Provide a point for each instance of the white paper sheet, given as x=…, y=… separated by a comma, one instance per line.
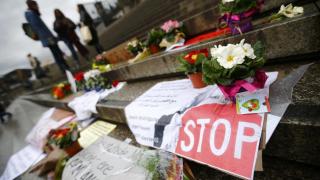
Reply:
x=21, y=162
x=85, y=105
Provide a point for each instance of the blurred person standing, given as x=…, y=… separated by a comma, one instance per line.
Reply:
x=36, y=66
x=47, y=39
x=86, y=20
x=65, y=29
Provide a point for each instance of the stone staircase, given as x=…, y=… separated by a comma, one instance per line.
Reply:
x=293, y=150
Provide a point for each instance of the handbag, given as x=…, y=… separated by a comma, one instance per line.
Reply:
x=85, y=33
x=29, y=31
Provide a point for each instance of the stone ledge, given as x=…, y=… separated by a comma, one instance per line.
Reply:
x=276, y=38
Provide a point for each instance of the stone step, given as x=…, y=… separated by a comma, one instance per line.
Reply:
x=282, y=40
x=192, y=13
x=295, y=139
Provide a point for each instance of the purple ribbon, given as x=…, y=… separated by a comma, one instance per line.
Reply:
x=258, y=83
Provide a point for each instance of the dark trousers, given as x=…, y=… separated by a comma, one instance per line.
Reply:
x=58, y=57
x=3, y=114
x=82, y=49
x=73, y=51
x=98, y=47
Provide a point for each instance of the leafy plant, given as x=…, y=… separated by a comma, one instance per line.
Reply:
x=192, y=62
x=214, y=72
x=236, y=6
x=135, y=47
x=154, y=37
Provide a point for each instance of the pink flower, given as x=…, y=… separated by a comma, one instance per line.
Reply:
x=169, y=25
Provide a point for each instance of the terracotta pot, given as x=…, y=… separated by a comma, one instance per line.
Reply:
x=154, y=48
x=73, y=149
x=196, y=79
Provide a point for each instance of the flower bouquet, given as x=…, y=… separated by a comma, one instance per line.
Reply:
x=94, y=81
x=135, y=47
x=101, y=63
x=191, y=64
x=61, y=90
x=66, y=138
x=237, y=14
x=173, y=33
x=288, y=11
x=235, y=68
x=154, y=38
x=80, y=81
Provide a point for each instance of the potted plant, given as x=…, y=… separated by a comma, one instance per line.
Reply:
x=66, y=138
x=191, y=64
x=135, y=47
x=154, y=38
x=101, y=63
x=61, y=90
x=237, y=14
x=174, y=33
x=235, y=68
x=94, y=81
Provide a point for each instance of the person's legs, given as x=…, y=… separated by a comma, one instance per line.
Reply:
x=73, y=52
x=98, y=47
x=82, y=50
x=58, y=57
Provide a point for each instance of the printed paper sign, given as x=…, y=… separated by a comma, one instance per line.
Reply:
x=216, y=135
x=199, y=124
x=256, y=102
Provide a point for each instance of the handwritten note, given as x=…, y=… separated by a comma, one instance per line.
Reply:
x=107, y=158
x=94, y=132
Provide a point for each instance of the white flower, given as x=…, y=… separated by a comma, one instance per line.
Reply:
x=226, y=1
x=91, y=74
x=228, y=56
x=133, y=43
x=248, y=50
x=290, y=11
x=298, y=10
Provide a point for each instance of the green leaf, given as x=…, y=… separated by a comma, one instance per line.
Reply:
x=258, y=49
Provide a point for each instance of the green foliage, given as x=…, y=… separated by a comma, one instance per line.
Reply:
x=238, y=6
x=171, y=35
x=135, y=49
x=97, y=82
x=213, y=72
x=154, y=37
x=188, y=68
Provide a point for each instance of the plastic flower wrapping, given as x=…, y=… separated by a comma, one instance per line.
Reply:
x=61, y=90
x=65, y=136
x=233, y=62
x=91, y=80
x=101, y=63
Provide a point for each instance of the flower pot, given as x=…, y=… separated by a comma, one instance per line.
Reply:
x=242, y=26
x=196, y=79
x=154, y=48
x=73, y=149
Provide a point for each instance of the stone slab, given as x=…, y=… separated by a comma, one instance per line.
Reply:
x=276, y=37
